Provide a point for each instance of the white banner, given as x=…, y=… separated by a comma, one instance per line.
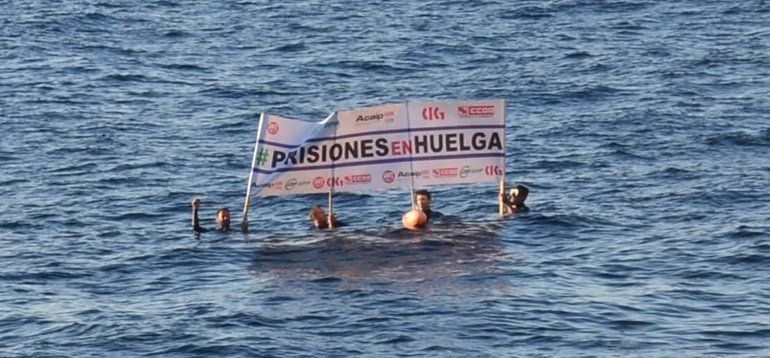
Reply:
x=387, y=146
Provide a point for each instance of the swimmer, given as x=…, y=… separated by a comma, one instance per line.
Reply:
x=223, y=218
x=321, y=220
x=418, y=218
x=514, y=201
x=423, y=201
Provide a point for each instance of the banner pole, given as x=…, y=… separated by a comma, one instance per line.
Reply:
x=245, y=220
x=330, y=224
x=411, y=164
x=331, y=207
x=501, y=204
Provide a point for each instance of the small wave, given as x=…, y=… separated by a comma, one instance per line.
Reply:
x=97, y=16
x=558, y=221
x=13, y=225
x=590, y=92
x=294, y=47
x=392, y=339
x=626, y=324
x=752, y=259
x=626, y=25
x=526, y=12
x=134, y=216
x=327, y=279
x=183, y=67
x=76, y=168
x=578, y=55
x=125, y=77
x=243, y=319
x=133, y=166
x=371, y=66
x=175, y=34
x=558, y=164
x=235, y=92
x=738, y=333
x=673, y=173
x=745, y=232
x=759, y=138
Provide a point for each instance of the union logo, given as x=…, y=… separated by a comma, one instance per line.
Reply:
x=388, y=176
x=272, y=128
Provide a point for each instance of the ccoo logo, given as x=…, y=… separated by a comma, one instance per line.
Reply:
x=476, y=111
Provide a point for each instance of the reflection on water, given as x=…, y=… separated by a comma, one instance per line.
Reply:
x=453, y=256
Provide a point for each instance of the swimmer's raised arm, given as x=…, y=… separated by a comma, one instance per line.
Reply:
x=196, y=223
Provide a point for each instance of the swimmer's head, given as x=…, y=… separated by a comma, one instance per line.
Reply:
x=422, y=199
x=223, y=218
x=519, y=194
x=318, y=216
x=414, y=219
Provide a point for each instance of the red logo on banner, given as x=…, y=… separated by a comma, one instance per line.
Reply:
x=388, y=176
x=319, y=182
x=445, y=172
x=272, y=128
x=358, y=179
x=476, y=111
x=492, y=170
x=432, y=113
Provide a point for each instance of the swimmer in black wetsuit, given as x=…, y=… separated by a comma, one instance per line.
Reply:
x=321, y=220
x=223, y=218
x=514, y=202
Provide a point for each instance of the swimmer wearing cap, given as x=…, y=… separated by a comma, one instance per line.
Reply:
x=223, y=218
x=514, y=201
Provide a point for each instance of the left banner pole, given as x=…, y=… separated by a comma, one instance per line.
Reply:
x=245, y=221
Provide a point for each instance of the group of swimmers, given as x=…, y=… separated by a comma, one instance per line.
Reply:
x=413, y=220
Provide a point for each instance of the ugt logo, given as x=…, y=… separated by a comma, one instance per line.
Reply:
x=432, y=113
x=493, y=170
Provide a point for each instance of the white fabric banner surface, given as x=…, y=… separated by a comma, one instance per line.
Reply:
x=387, y=146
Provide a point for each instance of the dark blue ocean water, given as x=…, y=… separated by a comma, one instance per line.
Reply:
x=642, y=128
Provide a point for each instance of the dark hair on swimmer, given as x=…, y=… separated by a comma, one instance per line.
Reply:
x=422, y=192
x=223, y=209
x=523, y=191
x=316, y=213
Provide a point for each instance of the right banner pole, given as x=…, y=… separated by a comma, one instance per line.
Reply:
x=501, y=204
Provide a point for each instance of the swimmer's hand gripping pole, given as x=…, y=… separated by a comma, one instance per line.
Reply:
x=245, y=221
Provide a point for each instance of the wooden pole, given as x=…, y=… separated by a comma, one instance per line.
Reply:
x=500, y=197
x=331, y=208
x=245, y=220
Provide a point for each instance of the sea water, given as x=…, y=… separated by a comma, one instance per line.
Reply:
x=641, y=127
